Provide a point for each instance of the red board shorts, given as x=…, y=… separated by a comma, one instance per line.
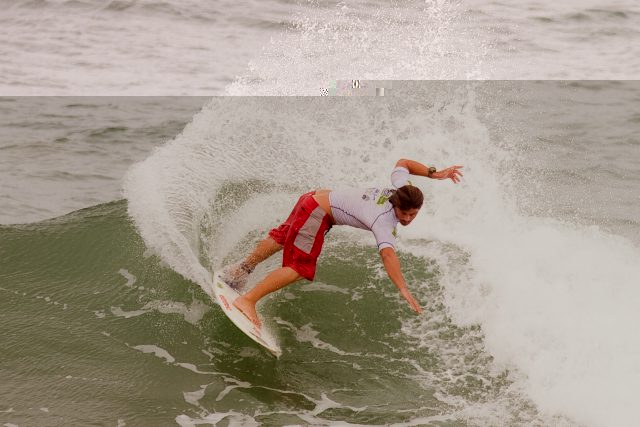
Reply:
x=302, y=236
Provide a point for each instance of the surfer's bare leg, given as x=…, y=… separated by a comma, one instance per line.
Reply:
x=275, y=280
x=236, y=275
x=263, y=250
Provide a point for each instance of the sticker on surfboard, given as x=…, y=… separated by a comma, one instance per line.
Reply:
x=224, y=296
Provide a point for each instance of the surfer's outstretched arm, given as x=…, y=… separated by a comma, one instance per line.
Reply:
x=392, y=265
x=417, y=168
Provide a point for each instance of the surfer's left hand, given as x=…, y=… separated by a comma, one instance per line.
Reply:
x=453, y=173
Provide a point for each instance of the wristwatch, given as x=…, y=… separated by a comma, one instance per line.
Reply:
x=432, y=170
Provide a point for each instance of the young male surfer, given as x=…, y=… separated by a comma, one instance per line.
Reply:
x=302, y=234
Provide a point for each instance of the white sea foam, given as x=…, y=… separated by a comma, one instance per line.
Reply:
x=193, y=397
x=309, y=416
x=193, y=368
x=119, y=312
x=323, y=287
x=234, y=384
x=234, y=418
x=306, y=333
x=157, y=351
x=192, y=313
x=131, y=279
x=556, y=301
x=164, y=354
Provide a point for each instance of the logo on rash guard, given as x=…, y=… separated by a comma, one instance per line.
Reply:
x=386, y=193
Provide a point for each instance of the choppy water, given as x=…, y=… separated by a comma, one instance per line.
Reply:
x=60, y=154
x=527, y=270
x=277, y=47
x=53, y=47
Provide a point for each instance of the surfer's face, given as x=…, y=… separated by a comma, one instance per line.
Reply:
x=405, y=216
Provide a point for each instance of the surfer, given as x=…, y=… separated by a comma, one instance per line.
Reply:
x=301, y=236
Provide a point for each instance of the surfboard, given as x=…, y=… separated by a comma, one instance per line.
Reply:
x=224, y=296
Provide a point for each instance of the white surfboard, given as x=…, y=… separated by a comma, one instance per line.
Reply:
x=225, y=295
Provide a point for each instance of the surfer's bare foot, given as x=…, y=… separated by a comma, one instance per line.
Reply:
x=248, y=308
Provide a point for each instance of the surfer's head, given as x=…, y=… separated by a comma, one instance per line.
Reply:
x=407, y=202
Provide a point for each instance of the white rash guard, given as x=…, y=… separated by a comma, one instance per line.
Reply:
x=370, y=209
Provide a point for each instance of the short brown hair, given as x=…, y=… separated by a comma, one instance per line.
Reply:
x=407, y=197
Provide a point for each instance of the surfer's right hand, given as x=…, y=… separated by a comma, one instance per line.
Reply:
x=412, y=301
x=416, y=307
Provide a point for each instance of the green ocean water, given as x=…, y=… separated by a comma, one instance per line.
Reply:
x=85, y=344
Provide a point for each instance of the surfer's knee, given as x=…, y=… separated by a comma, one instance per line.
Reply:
x=290, y=273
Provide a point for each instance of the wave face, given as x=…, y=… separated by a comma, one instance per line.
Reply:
x=527, y=270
